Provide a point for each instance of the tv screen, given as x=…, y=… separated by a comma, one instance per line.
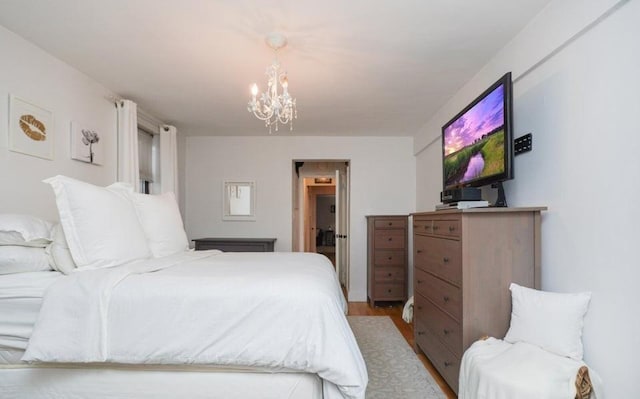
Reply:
x=477, y=143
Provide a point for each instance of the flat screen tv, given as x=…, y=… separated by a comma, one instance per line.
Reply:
x=477, y=144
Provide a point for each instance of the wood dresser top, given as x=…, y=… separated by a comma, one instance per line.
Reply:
x=484, y=210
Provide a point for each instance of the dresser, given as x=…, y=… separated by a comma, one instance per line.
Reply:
x=387, y=258
x=236, y=244
x=464, y=262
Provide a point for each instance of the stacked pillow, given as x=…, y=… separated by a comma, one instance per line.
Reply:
x=23, y=239
x=58, y=252
x=161, y=222
x=110, y=226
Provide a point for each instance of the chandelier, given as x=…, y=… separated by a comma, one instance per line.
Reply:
x=269, y=106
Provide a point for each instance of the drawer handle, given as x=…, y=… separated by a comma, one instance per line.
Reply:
x=445, y=298
x=389, y=258
x=389, y=290
x=445, y=331
x=418, y=251
x=390, y=223
x=390, y=239
x=389, y=274
x=452, y=228
x=419, y=281
x=419, y=307
x=447, y=363
x=435, y=227
x=420, y=332
x=445, y=259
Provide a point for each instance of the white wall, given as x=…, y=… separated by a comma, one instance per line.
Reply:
x=32, y=74
x=382, y=182
x=577, y=82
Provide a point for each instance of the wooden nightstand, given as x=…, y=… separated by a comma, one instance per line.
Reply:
x=236, y=244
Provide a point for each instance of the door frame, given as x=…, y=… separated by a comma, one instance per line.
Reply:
x=318, y=168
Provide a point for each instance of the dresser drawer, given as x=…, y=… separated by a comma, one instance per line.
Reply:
x=447, y=228
x=446, y=296
x=390, y=239
x=389, y=258
x=389, y=291
x=389, y=274
x=390, y=224
x=440, y=256
x=442, y=358
x=440, y=324
x=422, y=226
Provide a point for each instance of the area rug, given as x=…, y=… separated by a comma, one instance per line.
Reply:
x=395, y=372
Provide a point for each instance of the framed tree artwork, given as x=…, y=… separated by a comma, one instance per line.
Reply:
x=86, y=144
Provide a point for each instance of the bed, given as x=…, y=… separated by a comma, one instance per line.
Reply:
x=173, y=322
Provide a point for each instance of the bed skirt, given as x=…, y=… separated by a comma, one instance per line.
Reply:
x=142, y=382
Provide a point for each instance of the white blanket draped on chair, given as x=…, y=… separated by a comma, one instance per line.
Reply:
x=495, y=369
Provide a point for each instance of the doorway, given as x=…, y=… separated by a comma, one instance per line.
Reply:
x=321, y=211
x=325, y=224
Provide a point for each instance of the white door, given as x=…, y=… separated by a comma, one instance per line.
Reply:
x=337, y=230
x=345, y=228
x=342, y=226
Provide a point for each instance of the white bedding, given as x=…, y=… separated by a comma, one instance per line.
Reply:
x=274, y=310
x=20, y=300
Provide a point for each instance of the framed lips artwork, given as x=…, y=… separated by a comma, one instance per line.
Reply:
x=30, y=128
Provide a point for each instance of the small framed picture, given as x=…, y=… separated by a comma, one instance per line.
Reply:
x=86, y=144
x=30, y=129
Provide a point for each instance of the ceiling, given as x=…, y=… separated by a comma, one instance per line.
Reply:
x=357, y=68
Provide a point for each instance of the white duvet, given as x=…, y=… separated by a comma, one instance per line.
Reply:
x=273, y=310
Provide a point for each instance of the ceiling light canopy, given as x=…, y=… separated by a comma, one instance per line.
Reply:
x=269, y=106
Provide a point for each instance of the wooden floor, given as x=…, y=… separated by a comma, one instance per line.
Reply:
x=395, y=313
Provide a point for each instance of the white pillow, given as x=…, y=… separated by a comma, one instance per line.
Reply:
x=549, y=320
x=58, y=252
x=161, y=222
x=100, y=224
x=25, y=230
x=21, y=259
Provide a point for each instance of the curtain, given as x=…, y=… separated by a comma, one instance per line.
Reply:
x=169, y=159
x=128, y=163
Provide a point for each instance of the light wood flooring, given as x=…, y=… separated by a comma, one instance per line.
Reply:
x=395, y=313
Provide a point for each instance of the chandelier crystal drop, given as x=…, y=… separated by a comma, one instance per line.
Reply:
x=269, y=106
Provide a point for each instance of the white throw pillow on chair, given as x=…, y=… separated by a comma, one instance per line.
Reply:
x=552, y=321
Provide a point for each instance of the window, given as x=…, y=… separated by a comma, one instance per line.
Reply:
x=146, y=158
